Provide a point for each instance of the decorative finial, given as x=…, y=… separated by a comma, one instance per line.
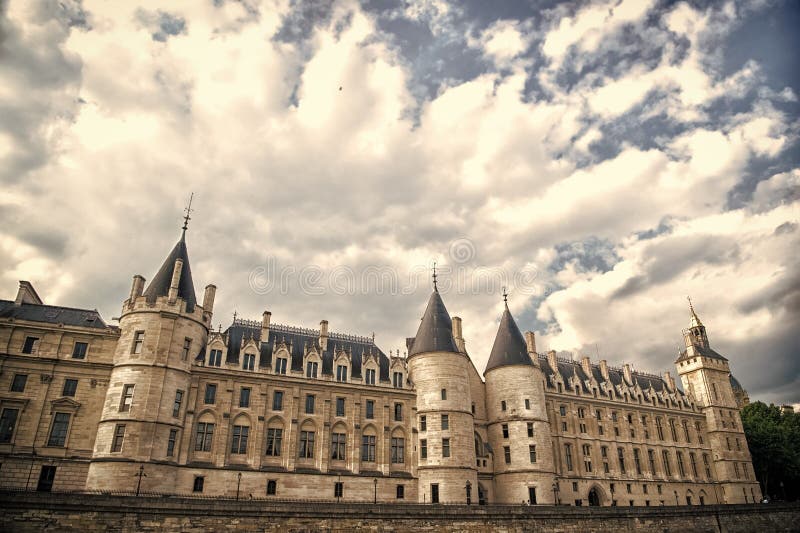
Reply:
x=234, y=316
x=690, y=303
x=188, y=212
x=434, y=277
x=505, y=296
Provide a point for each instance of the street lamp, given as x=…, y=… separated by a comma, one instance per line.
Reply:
x=375, y=498
x=468, y=486
x=238, y=484
x=140, y=475
x=676, y=497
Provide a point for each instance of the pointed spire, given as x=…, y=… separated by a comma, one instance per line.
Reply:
x=695, y=321
x=509, y=346
x=435, y=333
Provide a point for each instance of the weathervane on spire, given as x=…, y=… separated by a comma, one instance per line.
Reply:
x=690, y=303
x=434, y=276
x=188, y=212
x=505, y=296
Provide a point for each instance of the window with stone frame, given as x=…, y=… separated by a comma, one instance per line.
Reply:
x=8, y=423
x=204, y=437
x=398, y=450
x=274, y=440
x=239, y=440
x=59, y=430
x=338, y=441
x=368, y=448
x=126, y=399
x=119, y=438
x=306, y=448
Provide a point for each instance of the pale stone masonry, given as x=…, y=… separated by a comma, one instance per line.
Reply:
x=166, y=404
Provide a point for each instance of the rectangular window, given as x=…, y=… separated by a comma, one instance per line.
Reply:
x=309, y=404
x=686, y=435
x=338, y=446
x=277, y=400
x=651, y=458
x=119, y=437
x=370, y=409
x=215, y=359
x=423, y=423
x=368, y=448
x=398, y=412
x=173, y=436
x=582, y=428
x=311, y=369
x=667, y=467
x=274, y=438
x=79, y=350
x=505, y=431
x=681, y=469
x=532, y=452
x=244, y=397
x=562, y=410
x=31, y=345
x=568, y=456
x=138, y=342
x=707, y=466
x=637, y=463
x=341, y=373
x=8, y=421
x=126, y=400
x=587, y=457
x=370, y=376
x=527, y=403
x=444, y=394
x=280, y=365
x=693, y=463
x=434, y=493
x=306, y=445
x=672, y=430
x=503, y=405
x=272, y=487
x=398, y=450
x=211, y=393
x=18, y=382
x=70, y=387
x=621, y=457
x=249, y=361
x=397, y=381
x=563, y=427
x=338, y=489
x=613, y=416
x=58, y=432
x=339, y=406
x=599, y=429
x=205, y=436
x=445, y=421
x=176, y=406
x=187, y=345
x=401, y=492
x=423, y=448
x=199, y=481
x=445, y=447
x=507, y=454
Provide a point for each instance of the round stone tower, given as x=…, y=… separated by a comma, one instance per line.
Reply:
x=446, y=453
x=162, y=331
x=519, y=431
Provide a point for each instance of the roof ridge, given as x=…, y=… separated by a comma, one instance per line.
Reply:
x=57, y=306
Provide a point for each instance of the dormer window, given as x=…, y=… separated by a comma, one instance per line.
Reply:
x=215, y=358
x=249, y=361
x=280, y=365
x=311, y=369
x=397, y=380
x=341, y=373
x=370, y=376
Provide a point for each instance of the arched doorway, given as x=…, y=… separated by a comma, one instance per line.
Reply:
x=594, y=497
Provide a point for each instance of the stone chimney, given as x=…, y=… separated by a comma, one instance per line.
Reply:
x=586, y=365
x=626, y=370
x=136, y=288
x=176, y=280
x=604, y=369
x=208, y=299
x=266, y=316
x=552, y=361
x=530, y=342
x=669, y=381
x=458, y=335
x=323, y=334
x=27, y=294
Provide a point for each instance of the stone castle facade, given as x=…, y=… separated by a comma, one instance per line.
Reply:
x=163, y=403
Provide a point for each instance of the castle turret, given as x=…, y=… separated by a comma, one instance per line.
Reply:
x=162, y=330
x=519, y=431
x=706, y=377
x=447, y=469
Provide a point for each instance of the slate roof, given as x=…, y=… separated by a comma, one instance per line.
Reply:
x=52, y=314
x=509, y=345
x=735, y=385
x=297, y=339
x=159, y=285
x=435, y=333
x=701, y=352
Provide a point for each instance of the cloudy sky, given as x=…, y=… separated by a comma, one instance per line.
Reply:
x=603, y=160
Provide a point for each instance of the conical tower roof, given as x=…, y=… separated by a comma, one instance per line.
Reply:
x=159, y=285
x=509, y=345
x=435, y=333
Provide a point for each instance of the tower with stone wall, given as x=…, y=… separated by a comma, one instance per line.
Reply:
x=162, y=330
x=519, y=431
x=440, y=372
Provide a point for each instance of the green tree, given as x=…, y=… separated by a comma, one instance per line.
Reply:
x=773, y=436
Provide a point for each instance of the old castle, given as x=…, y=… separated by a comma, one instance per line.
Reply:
x=163, y=403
